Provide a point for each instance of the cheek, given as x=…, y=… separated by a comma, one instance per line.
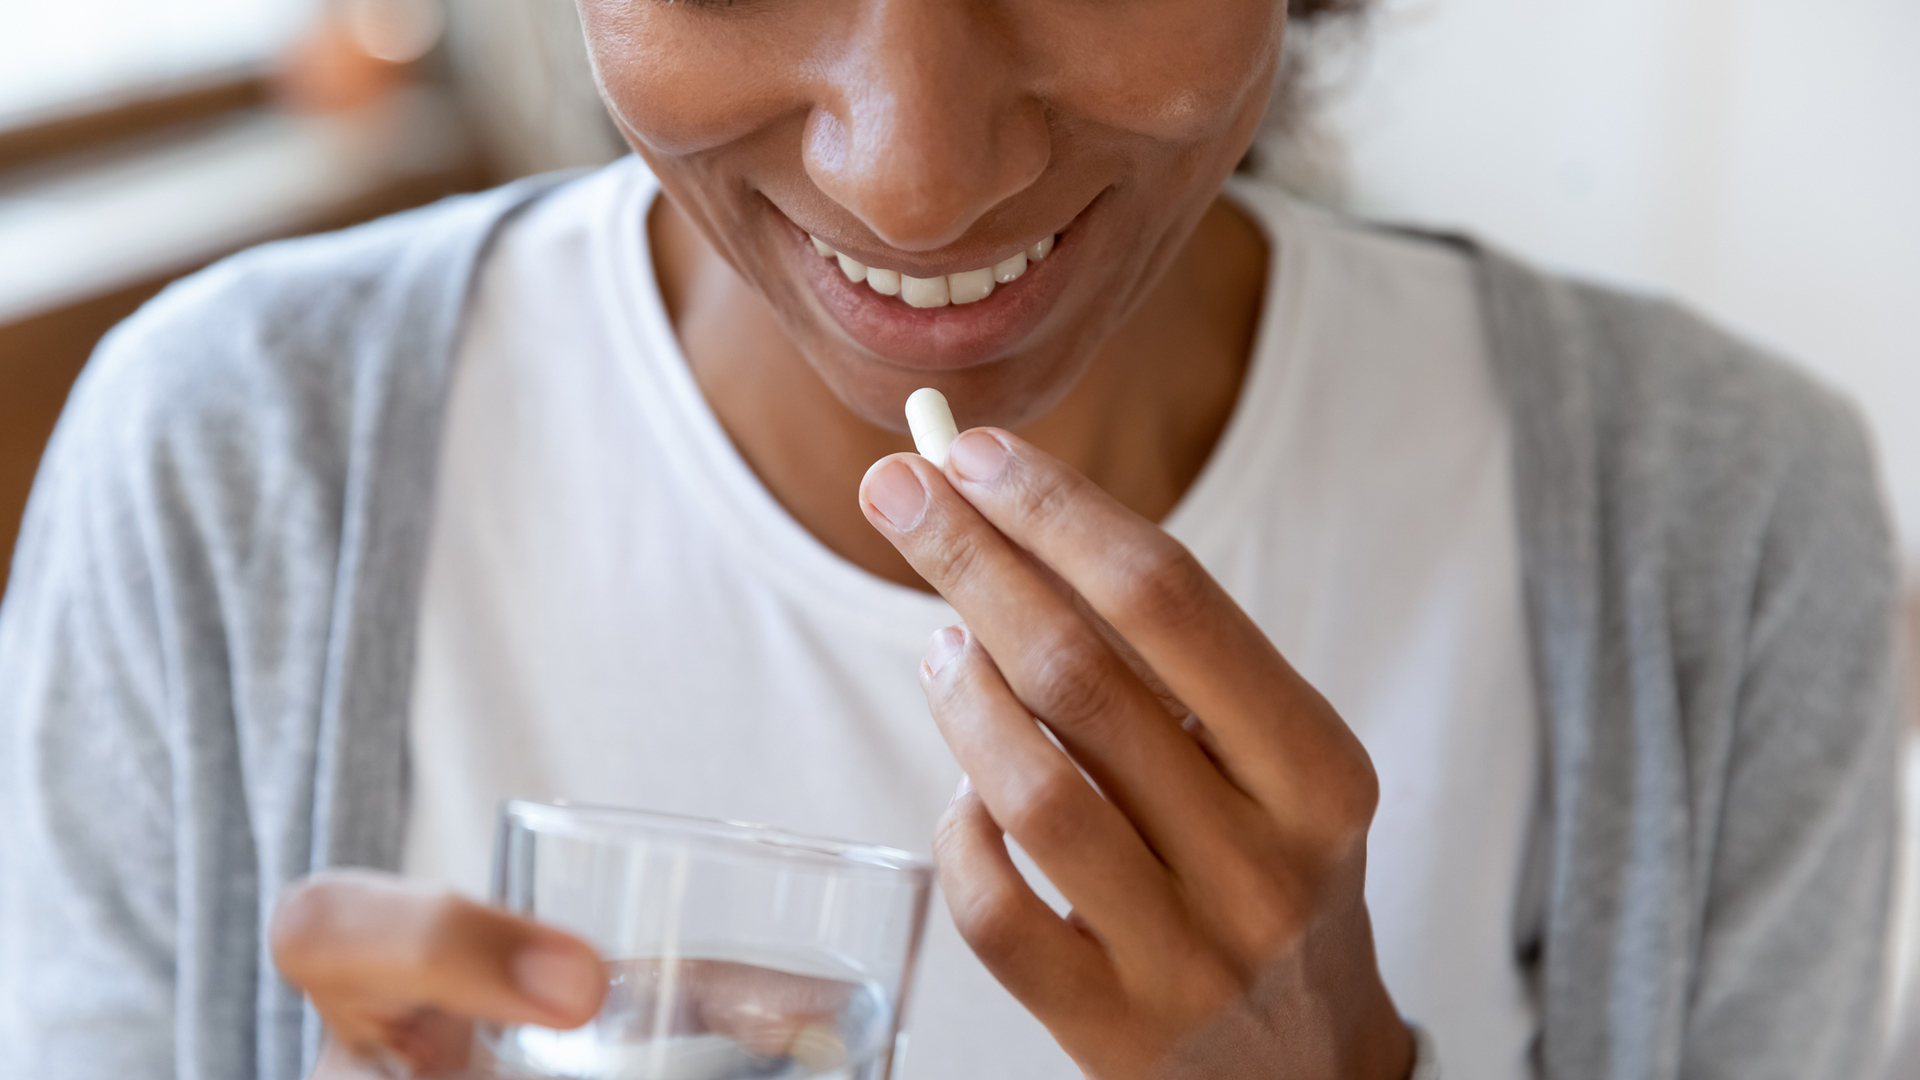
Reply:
x=1176, y=72
x=681, y=81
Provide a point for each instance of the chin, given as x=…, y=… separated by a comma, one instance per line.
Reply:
x=1008, y=393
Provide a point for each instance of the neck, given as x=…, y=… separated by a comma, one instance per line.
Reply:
x=1140, y=423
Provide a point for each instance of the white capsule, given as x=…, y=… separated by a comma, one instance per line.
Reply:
x=931, y=422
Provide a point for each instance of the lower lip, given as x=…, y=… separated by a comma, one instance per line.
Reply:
x=943, y=338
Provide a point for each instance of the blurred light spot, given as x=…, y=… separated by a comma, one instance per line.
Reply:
x=397, y=31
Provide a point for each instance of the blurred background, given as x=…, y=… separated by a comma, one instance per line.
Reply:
x=1757, y=159
x=142, y=139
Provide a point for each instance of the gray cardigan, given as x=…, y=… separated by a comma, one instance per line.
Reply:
x=206, y=650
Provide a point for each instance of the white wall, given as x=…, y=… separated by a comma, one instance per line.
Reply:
x=1758, y=158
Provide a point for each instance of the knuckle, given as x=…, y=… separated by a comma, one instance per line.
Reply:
x=1206, y=980
x=989, y=922
x=1348, y=799
x=1075, y=683
x=1363, y=796
x=1045, y=495
x=985, y=909
x=1272, y=921
x=1158, y=582
x=952, y=556
x=1260, y=902
x=1043, y=814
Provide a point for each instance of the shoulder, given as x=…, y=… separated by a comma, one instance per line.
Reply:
x=290, y=329
x=1700, y=511
x=1666, y=417
x=226, y=418
x=1657, y=383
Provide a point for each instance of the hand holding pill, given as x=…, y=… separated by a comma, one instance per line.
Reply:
x=1217, y=870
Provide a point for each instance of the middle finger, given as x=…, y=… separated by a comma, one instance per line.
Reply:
x=1085, y=845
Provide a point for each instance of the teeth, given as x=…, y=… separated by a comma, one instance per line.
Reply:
x=924, y=292
x=965, y=287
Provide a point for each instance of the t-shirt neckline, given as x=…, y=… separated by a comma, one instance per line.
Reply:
x=759, y=530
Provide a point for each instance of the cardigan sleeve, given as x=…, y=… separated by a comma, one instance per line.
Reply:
x=87, y=867
x=204, y=647
x=152, y=613
x=1789, y=978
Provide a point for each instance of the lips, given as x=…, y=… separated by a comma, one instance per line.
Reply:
x=926, y=322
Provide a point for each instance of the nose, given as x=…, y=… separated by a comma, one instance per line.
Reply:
x=927, y=121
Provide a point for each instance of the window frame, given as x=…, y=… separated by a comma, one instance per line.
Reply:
x=107, y=119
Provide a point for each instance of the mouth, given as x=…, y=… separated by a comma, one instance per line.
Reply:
x=933, y=319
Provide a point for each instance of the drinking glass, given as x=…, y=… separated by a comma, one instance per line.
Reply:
x=733, y=951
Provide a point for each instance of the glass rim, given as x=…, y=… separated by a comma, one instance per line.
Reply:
x=616, y=823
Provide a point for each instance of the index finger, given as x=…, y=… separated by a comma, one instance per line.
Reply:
x=1056, y=664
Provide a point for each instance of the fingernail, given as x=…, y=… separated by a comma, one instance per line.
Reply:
x=946, y=644
x=966, y=785
x=559, y=979
x=978, y=456
x=897, y=493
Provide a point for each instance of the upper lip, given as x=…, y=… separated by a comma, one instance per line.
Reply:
x=893, y=260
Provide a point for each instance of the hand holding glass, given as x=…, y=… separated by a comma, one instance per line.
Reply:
x=733, y=951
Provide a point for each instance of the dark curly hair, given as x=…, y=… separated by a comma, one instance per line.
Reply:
x=1314, y=24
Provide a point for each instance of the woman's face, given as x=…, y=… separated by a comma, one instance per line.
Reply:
x=936, y=138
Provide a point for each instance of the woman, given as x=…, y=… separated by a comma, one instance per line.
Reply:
x=1482, y=672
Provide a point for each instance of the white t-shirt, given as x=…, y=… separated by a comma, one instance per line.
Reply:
x=616, y=611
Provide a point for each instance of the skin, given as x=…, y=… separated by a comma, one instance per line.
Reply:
x=1219, y=919
x=853, y=135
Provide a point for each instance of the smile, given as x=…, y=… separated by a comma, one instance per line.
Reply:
x=965, y=287
x=940, y=313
